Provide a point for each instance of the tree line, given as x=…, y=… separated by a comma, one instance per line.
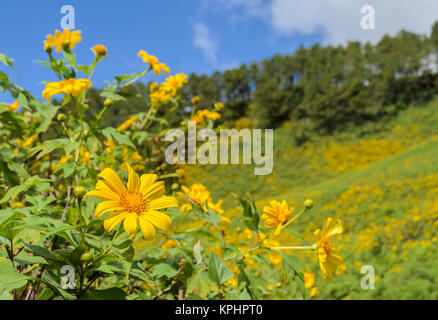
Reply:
x=320, y=88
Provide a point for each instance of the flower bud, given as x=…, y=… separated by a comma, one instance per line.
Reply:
x=308, y=203
x=86, y=257
x=79, y=192
x=99, y=50
x=175, y=186
x=108, y=102
x=61, y=117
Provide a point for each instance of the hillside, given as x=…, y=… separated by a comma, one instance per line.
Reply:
x=382, y=181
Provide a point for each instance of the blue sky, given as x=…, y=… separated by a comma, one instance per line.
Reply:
x=190, y=35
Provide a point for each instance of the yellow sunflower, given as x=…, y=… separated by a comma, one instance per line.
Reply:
x=136, y=205
x=328, y=260
x=275, y=215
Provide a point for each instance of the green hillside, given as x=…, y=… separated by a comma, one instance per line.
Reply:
x=382, y=181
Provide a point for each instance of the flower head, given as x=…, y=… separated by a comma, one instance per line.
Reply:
x=138, y=204
x=99, y=50
x=275, y=215
x=197, y=193
x=328, y=260
x=196, y=100
x=14, y=106
x=309, y=279
x=61, y=39
x=71, y=87
x=153, y=63
x=219, y=106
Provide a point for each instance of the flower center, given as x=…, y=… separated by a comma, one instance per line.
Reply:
x=282, y=216
x=327, y=247
x=133, y=202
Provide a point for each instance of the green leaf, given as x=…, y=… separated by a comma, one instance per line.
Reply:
x=10, y=278
x=163, y=270
x=105, y=294
x=199, y=284
x=292, y=265
x=13, y=192
x=218, y=271
x=118, y=136
x=55, y=286
x=111, y=94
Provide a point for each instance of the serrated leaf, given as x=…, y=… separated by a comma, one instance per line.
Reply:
x=218, y=271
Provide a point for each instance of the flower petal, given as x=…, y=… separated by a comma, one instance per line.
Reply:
x=113, y=220
x=146, y=227
x=112, y=180
x=133, y=179
x=163, y=202
x=158, y=219
x=106, y=206
x=130, y=223
x=146, y=181
x=156, y=190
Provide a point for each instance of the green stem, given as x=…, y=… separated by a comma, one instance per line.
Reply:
x=294, y=218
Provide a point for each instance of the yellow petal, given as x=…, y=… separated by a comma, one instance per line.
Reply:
x=133, y=179
x=112, y=180
x=146, y=181
x=106, y=206
x=113, y=220
x=158, y=219
x=130, y=223
x=102, y=194
x=146, y=227
x=278, y=230
x=156, y=190
x=163, y=203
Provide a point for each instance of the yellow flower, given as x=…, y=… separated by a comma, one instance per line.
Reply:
x=209, y=114
x=125, y=125
x=29, y=141
x=64, y=159
x=275, y=215
x=110, y=146
x=219, y=106
x=217, y=207
x=153, y=86
x=153, y=63
x=197, y=193
x=196, y=100
x=328, y=260
x=175, y=82
x=202, y=114
x=138, y=204
x=14, y=106
x=61, y=39
x=309, y=279
x=99, y=50
x=197, y=119
x=70, y=86
x=313, y=292
x=17, y=204
x=169, y=244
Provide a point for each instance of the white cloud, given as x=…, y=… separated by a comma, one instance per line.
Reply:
x=340, y=19
x=337, y=20
x=204, y=41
